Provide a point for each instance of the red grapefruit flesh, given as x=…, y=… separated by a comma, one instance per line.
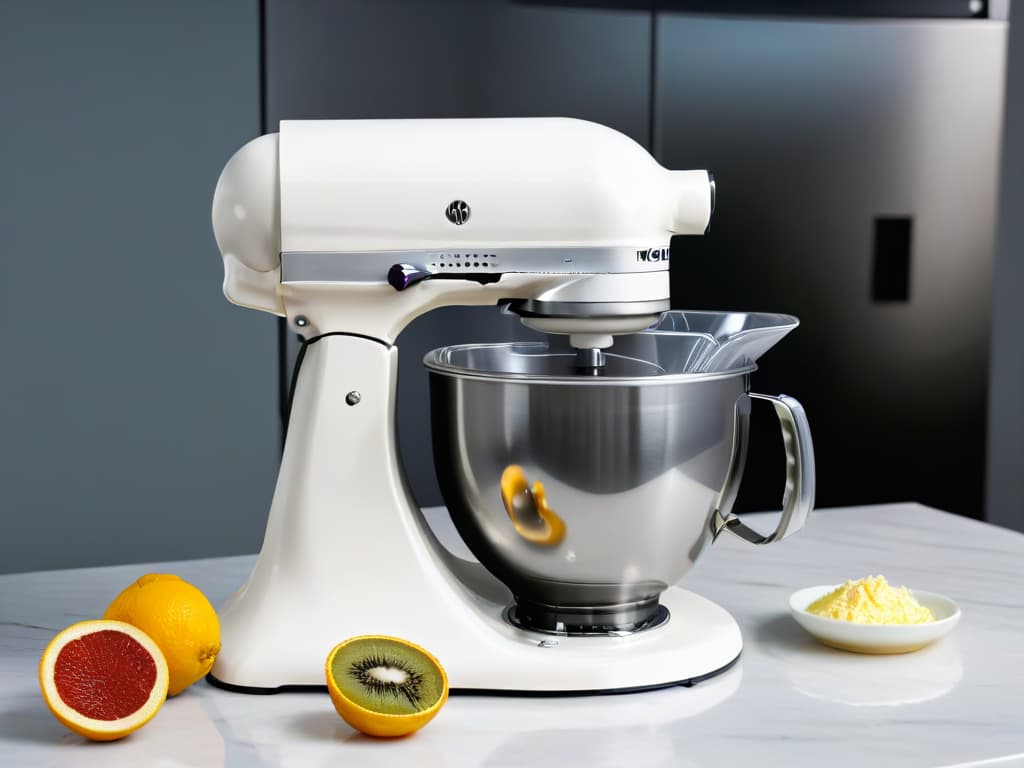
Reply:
x=103, y=679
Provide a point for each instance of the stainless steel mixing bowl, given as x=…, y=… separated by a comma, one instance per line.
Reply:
x=638, y=468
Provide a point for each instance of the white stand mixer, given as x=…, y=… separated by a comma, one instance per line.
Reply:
x=351, y=229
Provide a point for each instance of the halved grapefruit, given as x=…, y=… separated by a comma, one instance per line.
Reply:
x=103, y=679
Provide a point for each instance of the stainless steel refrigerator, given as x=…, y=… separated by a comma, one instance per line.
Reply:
x=857, y=165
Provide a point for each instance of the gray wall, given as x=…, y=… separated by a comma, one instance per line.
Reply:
x=137, y=406
x=1005, y=497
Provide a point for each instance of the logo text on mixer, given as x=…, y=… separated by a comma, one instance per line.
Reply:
x=653, y=254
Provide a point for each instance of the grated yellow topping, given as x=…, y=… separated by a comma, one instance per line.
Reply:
x=871, y=601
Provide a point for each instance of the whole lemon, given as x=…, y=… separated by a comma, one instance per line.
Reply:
x=180, y=620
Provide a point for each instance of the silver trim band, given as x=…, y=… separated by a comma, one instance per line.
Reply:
x=373, y=266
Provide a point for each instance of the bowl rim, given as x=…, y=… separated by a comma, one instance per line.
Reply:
x=434, y=365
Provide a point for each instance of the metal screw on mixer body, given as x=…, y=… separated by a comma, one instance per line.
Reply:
x=301, y=320
x=353, y=398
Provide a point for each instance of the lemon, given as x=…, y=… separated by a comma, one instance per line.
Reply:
x=180, y=620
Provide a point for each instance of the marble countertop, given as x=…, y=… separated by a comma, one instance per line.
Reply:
x=789, y=701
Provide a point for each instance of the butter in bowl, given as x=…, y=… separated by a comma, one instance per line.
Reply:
x=870, y=616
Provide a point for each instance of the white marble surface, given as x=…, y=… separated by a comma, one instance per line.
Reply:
x=788, y=702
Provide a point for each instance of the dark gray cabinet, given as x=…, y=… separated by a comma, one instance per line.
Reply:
x=816, y=131
x=1004, y=498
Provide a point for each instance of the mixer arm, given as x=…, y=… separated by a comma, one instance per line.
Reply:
x=798, y=498
x=376, y=310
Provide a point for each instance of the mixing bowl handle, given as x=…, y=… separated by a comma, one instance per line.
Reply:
x=798, y=499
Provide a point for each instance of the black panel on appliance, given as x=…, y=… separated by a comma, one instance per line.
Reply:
x=891, y=273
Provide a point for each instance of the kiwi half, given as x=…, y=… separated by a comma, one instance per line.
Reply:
x=385, y=686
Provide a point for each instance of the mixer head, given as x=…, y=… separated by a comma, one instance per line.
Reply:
x=361, y=225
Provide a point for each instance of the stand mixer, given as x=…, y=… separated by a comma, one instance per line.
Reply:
x=350, y=230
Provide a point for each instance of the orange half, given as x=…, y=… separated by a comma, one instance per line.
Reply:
x=103, y=679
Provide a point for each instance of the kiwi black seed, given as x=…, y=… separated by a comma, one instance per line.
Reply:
x=387, y=676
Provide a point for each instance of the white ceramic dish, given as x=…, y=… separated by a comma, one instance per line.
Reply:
x=874, y=638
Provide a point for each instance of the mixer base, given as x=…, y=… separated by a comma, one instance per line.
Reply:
x=697, y=641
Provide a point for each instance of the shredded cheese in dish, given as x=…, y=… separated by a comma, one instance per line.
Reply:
x=871, y=601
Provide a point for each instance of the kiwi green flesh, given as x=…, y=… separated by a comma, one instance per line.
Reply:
x=387, y=677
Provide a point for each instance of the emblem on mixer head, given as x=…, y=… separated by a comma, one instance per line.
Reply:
x=457, y=212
